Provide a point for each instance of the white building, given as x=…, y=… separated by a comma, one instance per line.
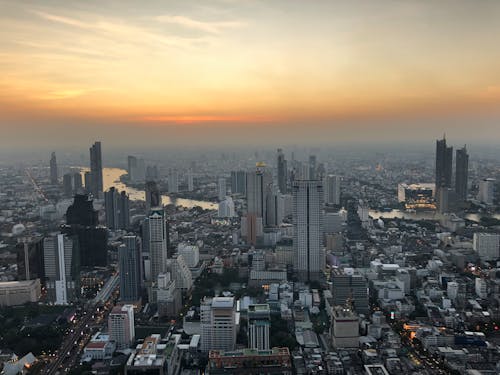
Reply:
x=121, y=326
x=481, y=288
x=486, y=191
x=14, y=293
x=332, y=189
x=190, y=181
x=221, y=188
x=173, y=182
x=308, y=222
x=190, y=253
x=219, y=324
x=226, y=208
x=181, y=273
x=486, y=245
x=345, y=328
x=157, y=242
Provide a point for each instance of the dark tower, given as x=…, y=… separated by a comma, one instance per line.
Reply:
x=96, y=170
x=53, y=169
x=461, y=173
x=282, y=172
x=444, y=164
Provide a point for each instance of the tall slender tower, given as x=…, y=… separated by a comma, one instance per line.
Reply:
x=461, y=173
x=256, y=189
x=312, y=167
x=282, y=172
x=53, y=169
x=444, y=163
x=332, y=189
x=307, y=223
x=129, y=259
x=158, y=242
x=153, y=197
x=96, y=170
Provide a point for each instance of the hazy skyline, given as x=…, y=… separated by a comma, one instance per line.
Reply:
x=229, y=71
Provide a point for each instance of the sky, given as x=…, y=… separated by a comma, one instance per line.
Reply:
x=247, y=71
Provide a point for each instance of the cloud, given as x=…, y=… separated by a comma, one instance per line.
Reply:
x=209, y=27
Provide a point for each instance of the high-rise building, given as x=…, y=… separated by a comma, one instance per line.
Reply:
x=282, y=172
x=444, y=163
x=221, y=188
x=307, y=224
x=350, y=287
x=257, y=183
x=226, y=208
x=344, y=328
x=96, y=179
x=77, y=183
x=158, y=242
x=461, y=174
x=190, y=181
x=121, y=326
x=219, y=324
x=180, y=273
x=173, y=181
x=487, y=246
x=190, y=253
x=117, y=209
x=275, y=207
x=168, y=297
x=68, y=185
x=30, y=260
x=486, y=191
x=312, y=167
x=132, y=168
x=87, y=178
x=62, y=269
x=332, y=189
x=129, y=260
x=259, y=323
x=53, y=169
x=153, y=196
x=238, y=182
x=82, y=222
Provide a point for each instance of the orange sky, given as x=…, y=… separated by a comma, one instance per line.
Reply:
x=235, y=62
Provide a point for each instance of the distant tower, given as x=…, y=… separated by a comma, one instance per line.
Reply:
x=173, y=182
x=332, y=189
x=312, y=167
x=77, y=183
x=117, y=209
x=307, y=223
x=256, y=188
x=221, y=188
x=53, y=169
x=282, y=172
x=129, y=259
x=153, y=197
x=444, y=162
x=132, y=168
x=96, y=170
x=68, y=185
x=461, y=173
x=190, y=181
x=238, y=182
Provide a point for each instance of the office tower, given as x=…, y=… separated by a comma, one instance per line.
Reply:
x=275, y=207
x=173, y=181
x=486, y=191
x=180, y=272
x=190, y=253
x=461, y=174
x=218, y=324
x=307, y=224
x=82, y=222
x=344, y=328
x=153, y=197
x=129, y=260
x=238, y=182
x=53, y=169
x=88, y=182
x=68, y=185
x=117, y=209
x=132, y=168
x=121, y=326
x=158, y=242
x=282, y=172
x=256, y=188
x=259, y=323
x=226, y=208
x=487, y=246
x=77, y=183
x=221, y=188
x=190, y=181
x=332, y=189
x=350, y=287
x=444, y=162
x=168, y=297
x=312, y=167
x=96, y=170
x=30, y=260
x=62, y=269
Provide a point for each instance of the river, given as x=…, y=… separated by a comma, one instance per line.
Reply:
x=424, y=215
x=111, y=177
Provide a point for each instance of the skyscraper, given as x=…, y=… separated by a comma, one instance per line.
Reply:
x=132, y=168
x=221, y=188
x=218, y=324
x=129, y=259
x=257, y=183
x=444, y=164
x=77, y=183
x=30, y=260
x=350, y=287
x=53, y=169
x=62, y=269
x=461, y=173
x=96, y=170
x=153, y=197
x=312, y=167
x=238, y=182
x=173, y=181
x=307, y=223
x=282, y=172
x=158, y=234
x=332, y=189
x=68, y=184
x=117, y=209
x=121, y=326
x=259, y=323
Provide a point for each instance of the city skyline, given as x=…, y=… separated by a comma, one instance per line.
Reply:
x=228, y=71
